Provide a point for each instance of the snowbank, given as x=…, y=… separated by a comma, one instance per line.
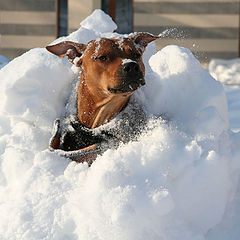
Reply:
x=225, y=71
x=3, y=61
x=174, y=183
x=233, y=96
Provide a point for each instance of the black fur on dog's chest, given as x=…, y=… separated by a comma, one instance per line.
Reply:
x=126, y=126
x=76, y=136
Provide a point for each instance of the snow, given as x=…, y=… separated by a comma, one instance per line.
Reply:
x=228, y=73
x=3, y=61
x=225, y=71
x=99, y=21
x=233, y=96
x=127, y=60
x=178, y=181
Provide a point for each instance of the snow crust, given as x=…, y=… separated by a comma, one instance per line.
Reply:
x=176, y=182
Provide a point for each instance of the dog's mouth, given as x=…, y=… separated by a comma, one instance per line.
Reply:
x=127, y=87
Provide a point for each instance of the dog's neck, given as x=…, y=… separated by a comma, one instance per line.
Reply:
x=94, y=109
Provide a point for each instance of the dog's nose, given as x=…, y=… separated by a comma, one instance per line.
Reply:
x=130, y=76
x=131, y=68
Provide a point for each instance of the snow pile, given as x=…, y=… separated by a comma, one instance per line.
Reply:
x=228, y=72
x=98, y=21
x=233, y=96
x=225, y=71
x=174, y=183
x=3, y=61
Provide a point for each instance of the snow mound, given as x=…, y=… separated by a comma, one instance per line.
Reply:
x=225, y=71
x=174, y=183
x=3, y=61
x=99, y=22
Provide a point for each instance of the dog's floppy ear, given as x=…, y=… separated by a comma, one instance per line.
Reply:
x=142, y=39
x=67, y=48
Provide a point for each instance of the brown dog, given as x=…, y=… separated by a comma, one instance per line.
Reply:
x=112, y=70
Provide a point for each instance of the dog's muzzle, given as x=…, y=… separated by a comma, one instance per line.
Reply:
x=131, y=77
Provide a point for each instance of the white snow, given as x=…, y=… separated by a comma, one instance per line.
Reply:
x=3, y=61
x=228, y=72
x=225, y=71
x=127, y=60
x=179, y=181
x=99, y=21
x=233, y=96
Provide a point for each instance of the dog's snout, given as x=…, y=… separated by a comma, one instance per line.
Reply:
x=131, y=67
x=130, y=77
x=131, y=72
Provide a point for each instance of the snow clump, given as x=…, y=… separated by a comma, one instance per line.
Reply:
x=225, y=71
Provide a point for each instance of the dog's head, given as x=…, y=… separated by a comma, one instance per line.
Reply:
x=112, y=66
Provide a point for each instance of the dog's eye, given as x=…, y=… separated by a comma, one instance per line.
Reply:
x=101, y=58
x=136, y=55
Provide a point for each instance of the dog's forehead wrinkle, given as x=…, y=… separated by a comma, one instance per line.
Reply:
x=101, y=46
x=125, y=44
x=129, y=47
